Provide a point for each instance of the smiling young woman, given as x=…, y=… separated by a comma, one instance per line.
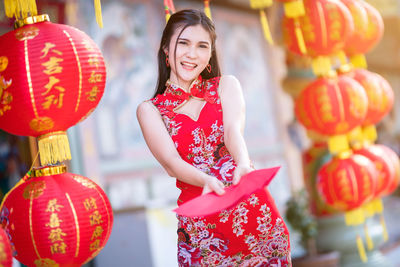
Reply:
x=194, y=127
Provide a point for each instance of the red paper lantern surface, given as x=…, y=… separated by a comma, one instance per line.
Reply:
x=346, y=184
x=51, y=77
x=365, y=38
x=325, y=27
x=394, y=158
x=360, y=18
x=332, y=106
x=380, y=94
x=6, y=258
x=57, y=219
x=313, y=158
x=384, y=166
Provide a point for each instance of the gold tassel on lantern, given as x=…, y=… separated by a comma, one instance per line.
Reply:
x=53, y=148
x=261, y=5
x=264, y=23
x=20, y=8
x=169, y=9
x=353, y=218
x=207, y=9
x=361, y=249
x=99, y=17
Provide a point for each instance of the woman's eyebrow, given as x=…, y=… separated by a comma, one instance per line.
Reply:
x=187, y=40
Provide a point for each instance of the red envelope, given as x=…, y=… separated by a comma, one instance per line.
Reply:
x=211, y=203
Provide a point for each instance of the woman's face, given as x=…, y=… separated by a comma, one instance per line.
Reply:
x=193, y=52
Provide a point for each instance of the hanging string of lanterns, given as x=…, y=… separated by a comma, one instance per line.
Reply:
x=343, y=105
x=52, y=76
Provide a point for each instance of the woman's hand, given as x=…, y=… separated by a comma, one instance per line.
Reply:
x=240, y=171
x=212, y=184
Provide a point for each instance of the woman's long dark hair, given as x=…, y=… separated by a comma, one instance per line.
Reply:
x=183, y=19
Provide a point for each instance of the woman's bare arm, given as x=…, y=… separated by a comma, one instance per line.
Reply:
x=163, y=149
x=233, y=109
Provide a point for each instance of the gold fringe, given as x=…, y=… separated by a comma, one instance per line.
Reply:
x=265, y=26
x=338, y=144
x=294, y=9
x=369, y=133
x=20, y=8
x=53, y=148
x=354, y=217
x=99, y=17
x=207, y=9
x=260, y=4
x=361, y=249
x=321, y=66
x=359, y=61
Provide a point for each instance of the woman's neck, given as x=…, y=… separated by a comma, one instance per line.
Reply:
x=183, y=85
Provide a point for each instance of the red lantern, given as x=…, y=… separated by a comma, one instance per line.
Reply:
x=332, y=106
x=51, y=77
x=325, y=27
x=384, y=166
x=57, y=218
x=346, y=184
x=366, y=39
x=380, y=94
x=313, y=158
x=360, y=18
x=6, y=258
x=394, y=158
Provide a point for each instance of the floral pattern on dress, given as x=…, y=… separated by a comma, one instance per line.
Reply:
x=251, y=233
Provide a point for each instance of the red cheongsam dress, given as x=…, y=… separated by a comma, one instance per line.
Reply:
x=252, y=233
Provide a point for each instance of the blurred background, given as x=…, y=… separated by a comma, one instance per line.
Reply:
x=109, y=148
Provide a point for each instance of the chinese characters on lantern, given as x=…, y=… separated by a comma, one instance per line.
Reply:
x=95, y=222
x=5, y=96
x=95, y=77
x=56, y=235
x=54, y=93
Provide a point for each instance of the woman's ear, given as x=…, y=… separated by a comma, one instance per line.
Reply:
x=165, y=50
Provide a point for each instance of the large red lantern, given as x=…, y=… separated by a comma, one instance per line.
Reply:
x=394, y=158
x=366, y=38
x=348, y=183
x=383, y=164
x=51, y=77
x=360, y=18
x=6, y=258
x=332, y=106
x=57, y=218
x=380, y=94
x=325, y=27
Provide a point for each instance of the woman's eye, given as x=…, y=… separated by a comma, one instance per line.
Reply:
x=203, y=46
x=182, y=42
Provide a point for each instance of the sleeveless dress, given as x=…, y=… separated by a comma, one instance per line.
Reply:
x=250, y=234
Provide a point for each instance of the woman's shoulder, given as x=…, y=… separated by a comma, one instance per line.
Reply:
x=228, y=79
x=146, y=107
x=228, y=83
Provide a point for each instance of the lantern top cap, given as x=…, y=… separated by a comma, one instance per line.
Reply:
x=48, y=171
x=31, y=20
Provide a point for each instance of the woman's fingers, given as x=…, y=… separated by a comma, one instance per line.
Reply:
x=214, y=185
x=239, y=172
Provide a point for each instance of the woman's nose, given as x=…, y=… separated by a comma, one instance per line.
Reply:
x=192, y=52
